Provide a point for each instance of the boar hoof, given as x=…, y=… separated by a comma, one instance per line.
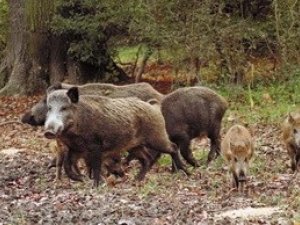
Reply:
x=52, y=164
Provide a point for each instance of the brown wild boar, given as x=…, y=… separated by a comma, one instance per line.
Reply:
x=37, y=114
x=291, y=138
x=237, y=150
x=93, y=125
x=193, y=112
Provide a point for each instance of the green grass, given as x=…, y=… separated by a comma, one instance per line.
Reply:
x=249, y=105
x=128, y=54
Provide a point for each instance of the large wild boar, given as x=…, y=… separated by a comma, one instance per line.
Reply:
x=291, y=138
x=99, y=126
x=237, y=149
x=192, y=112
x=37, y=114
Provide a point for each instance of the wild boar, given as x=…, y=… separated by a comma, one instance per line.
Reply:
x=111, y=165
x=95, y=125
x=59, y=149
x=36, y=116
x=237, y=149
x=291, y=138
x=193, y=112
x=147, y=157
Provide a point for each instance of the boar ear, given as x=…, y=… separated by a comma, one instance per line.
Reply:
x=54, y=87
x=291, y=119
x=73, y=94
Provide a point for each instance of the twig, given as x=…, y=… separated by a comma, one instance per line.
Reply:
x=10, y=122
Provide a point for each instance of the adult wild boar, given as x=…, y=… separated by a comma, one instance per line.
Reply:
x=237, y=149
x=37, y=114
x=100, y=126
x=192, y=112
x=291, y=138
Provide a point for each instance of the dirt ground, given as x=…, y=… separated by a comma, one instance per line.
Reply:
x=29, y=194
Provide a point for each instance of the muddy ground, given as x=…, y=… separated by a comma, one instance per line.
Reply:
x=29, y=194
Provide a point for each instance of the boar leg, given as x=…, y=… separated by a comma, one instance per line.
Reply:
x=52, y=163
x=214, y=151
x=173, y=151
x=293, y=165
x=298, y=159
x=235, y=181
x=68, y=164
x=59, y=163
x=145, y=167
x=94, y=161
x=292, y=154
x=186, y=152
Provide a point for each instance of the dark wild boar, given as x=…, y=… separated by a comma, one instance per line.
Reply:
x=193, y=112
x=96, y=125
x=291, y=138
x=237, y=149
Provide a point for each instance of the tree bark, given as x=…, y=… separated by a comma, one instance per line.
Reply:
x=148, y=52
x=16, y=58
x=27, y=55
x=58, y=61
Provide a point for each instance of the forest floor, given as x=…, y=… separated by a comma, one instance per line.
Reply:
x=29, y=194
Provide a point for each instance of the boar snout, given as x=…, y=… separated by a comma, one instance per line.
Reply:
x=49, y=134
x=242, y=177
x=29, y=119
x=53, y=130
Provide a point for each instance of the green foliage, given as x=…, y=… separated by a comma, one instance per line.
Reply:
x=88, y=26
x=229, y=34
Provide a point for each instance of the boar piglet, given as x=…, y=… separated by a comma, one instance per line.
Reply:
x=100, y=126
x=237, y=149
x=291, y=138
x=193, y=112
x=147, y=157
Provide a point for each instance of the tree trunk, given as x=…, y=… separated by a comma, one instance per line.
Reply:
x=27, y=55
x=148, y=52
x=36, y=58
x=58, y=61
x=16, y=58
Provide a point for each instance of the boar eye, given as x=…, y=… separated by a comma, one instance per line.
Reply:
x=295, y=131
x=49, y=108
x=63, y=108
x=235, y=159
